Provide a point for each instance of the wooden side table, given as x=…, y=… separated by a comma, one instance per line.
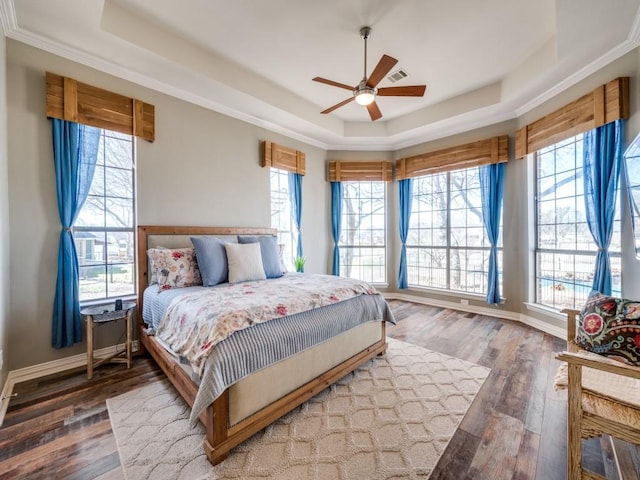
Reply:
x=102, y=314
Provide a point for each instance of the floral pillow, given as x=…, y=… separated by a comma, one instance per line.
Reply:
x=610, y=326
x=175, y=268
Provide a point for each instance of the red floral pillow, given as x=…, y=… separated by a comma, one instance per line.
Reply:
x=175, y=268
x=610, y=326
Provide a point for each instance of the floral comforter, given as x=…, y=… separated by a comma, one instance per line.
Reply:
x=195, y=322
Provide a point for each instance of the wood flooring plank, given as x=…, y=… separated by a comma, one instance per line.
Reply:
x=498, y=449
x=552, y=455
x=609, y=458
x=457, y=457
x=34, y=427
x=58, y=426
x=44, y=458
x=518, y=389
x=628, y=459
x=526, y=464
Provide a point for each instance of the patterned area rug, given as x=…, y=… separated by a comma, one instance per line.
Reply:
x=391, y=418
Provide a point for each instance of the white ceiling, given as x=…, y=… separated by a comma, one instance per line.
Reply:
x=483, y=61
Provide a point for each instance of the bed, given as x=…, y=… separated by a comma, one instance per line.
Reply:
x=232, y=413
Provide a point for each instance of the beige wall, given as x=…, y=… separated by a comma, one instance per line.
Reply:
x=4, y=216
x=203, y=169
x=518, y=231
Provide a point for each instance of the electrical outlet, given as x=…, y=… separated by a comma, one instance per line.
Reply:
x=464, y=301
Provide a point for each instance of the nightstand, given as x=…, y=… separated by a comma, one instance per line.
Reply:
x=100, y=315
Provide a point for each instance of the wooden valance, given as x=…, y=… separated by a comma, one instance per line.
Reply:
x=605, y=104
x=350, y=171
x=78, y=102
x=474, y=154
x=284, y=158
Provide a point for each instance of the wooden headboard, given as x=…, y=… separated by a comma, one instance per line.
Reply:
x=146, y=232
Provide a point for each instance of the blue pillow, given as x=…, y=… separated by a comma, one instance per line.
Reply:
x=212, y=260
x=270, y=253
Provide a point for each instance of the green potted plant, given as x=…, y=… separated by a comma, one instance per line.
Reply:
x=299, y=262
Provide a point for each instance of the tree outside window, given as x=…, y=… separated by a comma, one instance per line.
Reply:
x=363, y=232
x=565, y=250
x=104, y=230
x=447, y=245
x=282, y=216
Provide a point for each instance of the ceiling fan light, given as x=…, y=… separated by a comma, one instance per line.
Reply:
x=365, y=96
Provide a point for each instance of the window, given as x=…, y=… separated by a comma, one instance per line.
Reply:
x=281, y=216
x=565, y=250
x=104, y=230
x=363, y=232
x=632, y=164
x=447, y=246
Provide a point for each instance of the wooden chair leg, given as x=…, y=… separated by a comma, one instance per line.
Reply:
x=574, y=417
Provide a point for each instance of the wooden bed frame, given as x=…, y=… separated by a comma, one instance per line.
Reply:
x=221, y=437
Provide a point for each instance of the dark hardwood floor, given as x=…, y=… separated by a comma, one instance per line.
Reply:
x=58, y=426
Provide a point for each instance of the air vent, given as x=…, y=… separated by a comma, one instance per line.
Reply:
x=397, y=75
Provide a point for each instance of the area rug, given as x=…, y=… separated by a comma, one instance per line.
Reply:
x=391, y=418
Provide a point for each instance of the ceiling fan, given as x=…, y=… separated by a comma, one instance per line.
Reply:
x=365, y=92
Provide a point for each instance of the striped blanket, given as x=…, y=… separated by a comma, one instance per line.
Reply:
x=303, y=309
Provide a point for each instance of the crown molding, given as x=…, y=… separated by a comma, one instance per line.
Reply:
x=8, y=18
x=450, y=126
x=632, y=41
x=78, y=56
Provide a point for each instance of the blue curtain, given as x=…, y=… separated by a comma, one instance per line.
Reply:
x=336, y=223
x=75, y=151
x=491, y=191
x=602, y=159
x=405, y=188
x=295, y=193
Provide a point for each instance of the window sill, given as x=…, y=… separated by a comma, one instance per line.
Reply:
x=448, y=293
x=96, y=303
x=548, y=311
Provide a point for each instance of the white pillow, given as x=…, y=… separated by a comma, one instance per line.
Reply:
x=245, y=262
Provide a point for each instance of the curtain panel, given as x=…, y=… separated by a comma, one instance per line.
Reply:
x=336, y=223
x=492, y=189
x=75, y=152
x=405, y=189
x=295, y=192
x=602, y=159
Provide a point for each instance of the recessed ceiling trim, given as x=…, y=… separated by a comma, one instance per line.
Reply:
x=111, y=68
x=318, y=136
x=625, y=47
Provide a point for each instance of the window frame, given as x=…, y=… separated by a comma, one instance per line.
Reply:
x=448, y=248
x=561, y=284
x=106, y=230
x=345, y=247
x=292, y=234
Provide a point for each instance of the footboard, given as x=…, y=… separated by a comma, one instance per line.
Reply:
x=222, y=437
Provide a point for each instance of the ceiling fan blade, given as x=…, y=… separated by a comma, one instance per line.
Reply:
x=338, y=105
x=374, y=111
x=385, y=64
x=406, y=91
x=332, y=83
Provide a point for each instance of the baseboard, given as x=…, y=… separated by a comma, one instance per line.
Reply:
x=48, y=368
x=491, y=312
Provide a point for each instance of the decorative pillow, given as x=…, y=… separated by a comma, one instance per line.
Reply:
x=269, y=251
x=175, y=268
x=153, y=276
x=245, y=262
x=212, y=260
x=610, y=326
